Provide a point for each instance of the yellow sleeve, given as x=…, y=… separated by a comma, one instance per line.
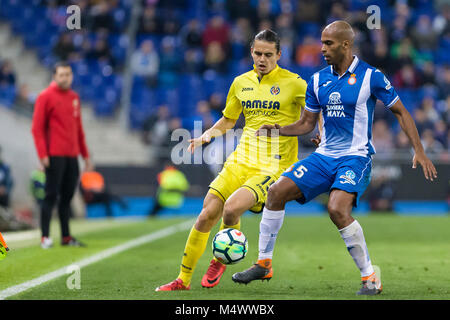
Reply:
x=233, y=107
x=300, y=91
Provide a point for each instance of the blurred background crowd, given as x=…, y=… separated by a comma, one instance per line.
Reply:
x=154, y=66
x=188, y=52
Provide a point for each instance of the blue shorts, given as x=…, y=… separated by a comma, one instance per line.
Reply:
x=318, y=174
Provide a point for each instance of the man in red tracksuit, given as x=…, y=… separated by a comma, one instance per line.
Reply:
x=59, y=139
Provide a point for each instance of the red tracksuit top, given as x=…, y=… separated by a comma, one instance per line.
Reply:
x=57, y=129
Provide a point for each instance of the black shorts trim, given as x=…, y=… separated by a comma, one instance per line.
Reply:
x=223, y=198
x=256, y=194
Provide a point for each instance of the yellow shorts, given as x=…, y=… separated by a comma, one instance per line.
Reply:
x=238, y=175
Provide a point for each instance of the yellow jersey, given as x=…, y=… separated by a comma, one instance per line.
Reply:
x=277, y=98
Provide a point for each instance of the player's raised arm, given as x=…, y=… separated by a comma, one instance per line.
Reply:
x=409, y=127
x=305, y=125
x=218, y=129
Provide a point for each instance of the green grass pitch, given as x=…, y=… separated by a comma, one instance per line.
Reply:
x=310, y=262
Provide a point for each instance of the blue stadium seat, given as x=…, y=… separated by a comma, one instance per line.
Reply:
x=7, y=95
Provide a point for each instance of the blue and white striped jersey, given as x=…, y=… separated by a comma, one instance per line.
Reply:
x=347, y=103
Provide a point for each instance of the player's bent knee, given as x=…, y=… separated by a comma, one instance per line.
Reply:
x=339, y=214
x=232, y=213
x=208, y=218
x=275, y=196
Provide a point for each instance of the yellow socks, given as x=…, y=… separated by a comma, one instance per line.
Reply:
x=236, y=226
x=195, y=246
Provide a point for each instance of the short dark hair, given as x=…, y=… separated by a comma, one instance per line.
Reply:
x=269, y=36
x=60, y=64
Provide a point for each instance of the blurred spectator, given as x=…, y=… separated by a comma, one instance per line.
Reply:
x=399, y=29
x=170, y=25
x=428, y=107
x=406, y=78
x=156, y=127
x=444, y=82
x=149, y=22
x=284, y=27
x=216, y=104
x=264, y=13
x=376, y=49
x=193, y=61
x=101, y=52
x=309, y=52
x=157, y=130
x=6, y=182
x=444, y=106
x=7, y=76
x=203, y=113
x=422, y=123
x=402, y=143
x=216, y=31
x=428, y=75
x=411, y=47
x=308, y=11
x=441, y=22
x=100, y=16
x=24, y=102
x=191, y=34
x=241, y=36
x=265, y=25
x=440, y=132
x=403, y=53
x=215, y=58
x=94, y=190
x=382, y=137
x=145, y=63
x=172, y=186
x=337, y=12
x=169, y=63
x=423, y=35
x=431, y=145
x=241, y=9
x=64, y=48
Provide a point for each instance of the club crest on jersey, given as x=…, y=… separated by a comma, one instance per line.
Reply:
x=275, y=90
x=335, y=98
x=348, y=177
x=352, y=79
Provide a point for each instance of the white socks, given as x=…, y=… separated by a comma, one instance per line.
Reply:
x=352, y=235
x=356, y=245
x=271, y=223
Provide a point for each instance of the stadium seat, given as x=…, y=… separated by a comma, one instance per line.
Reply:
x=7, y=95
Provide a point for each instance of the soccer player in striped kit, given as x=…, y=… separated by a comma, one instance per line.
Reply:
x=346, y=92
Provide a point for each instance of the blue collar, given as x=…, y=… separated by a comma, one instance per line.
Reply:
x=350, y=69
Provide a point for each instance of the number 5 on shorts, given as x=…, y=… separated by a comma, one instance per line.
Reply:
x=300, y=171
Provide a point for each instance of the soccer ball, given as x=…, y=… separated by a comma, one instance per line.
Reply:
x=229, y=246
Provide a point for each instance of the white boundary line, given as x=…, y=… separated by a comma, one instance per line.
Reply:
x=11, y=291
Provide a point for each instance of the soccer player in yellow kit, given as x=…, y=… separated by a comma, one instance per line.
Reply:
x=266, y=94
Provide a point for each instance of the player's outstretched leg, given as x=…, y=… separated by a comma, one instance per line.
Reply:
x=216, y=268
x=238, y=203
x=279, y=194
x=196, y=243
x=339, y=208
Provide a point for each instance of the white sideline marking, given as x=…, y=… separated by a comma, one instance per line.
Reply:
x=11, y=291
